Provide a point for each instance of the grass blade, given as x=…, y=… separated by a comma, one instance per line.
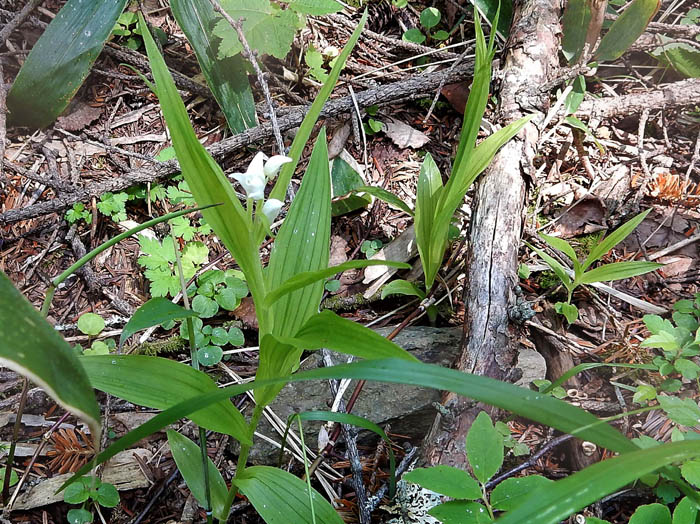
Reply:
x=618, y=271
x=554, y=502
x=614, y=239
x=562, y=245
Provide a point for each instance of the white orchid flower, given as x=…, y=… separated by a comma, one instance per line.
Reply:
x=271, y=208
x=274, y=164
x=259, y=171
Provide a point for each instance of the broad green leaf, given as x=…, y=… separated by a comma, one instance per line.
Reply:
x=413, y=35
x=427, y=201
x=344, y=180
x=209, y=355
x=107, y=495
x=691, y=471
x=91, y=324
x=30, y=346
x=553, y=503
x=687, y=368
x=656, y=324
x=570, y=311
x=277, y=359
x=160, y=383
x=307, y=125
x=618, y=271
x=446, y=480
x=227, y=78
x=651, y=514
x=205, y=306
x=561, y=245
x=203, y=175
x=188, y=457
x=664, y=340
x=523, y=402
x=558, y=269
x=430, y=17
x=360, y=422
x=79, y=516
x=306, y=278
x=78, y=492
x=644, y=393
x=577, y=17
x=683, y=411
x=316, y=7
x=575, y=97
x=386, y=196
x=683, y=57
x=686, y=512
x=626, y=29
x=280, y=497
x=60, y=61
x=328, y=330
x=613, y=239
x=154, y=312
x=302, y=245
x=460, y=512
x=268, y=29
x=402, y=287
x=484, y=448
x=511, y=492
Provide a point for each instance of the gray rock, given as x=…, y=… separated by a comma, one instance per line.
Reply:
x=407, y=408
x=533, y=366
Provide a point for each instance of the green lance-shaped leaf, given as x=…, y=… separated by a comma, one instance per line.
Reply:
x=156, y=311
x=618, y=271
x=540, y=408
x=280, y=497
x=302, y=245
x=60, y=61
x=188, y=457
x=301, y=280
x=160, y=383
x=554, y=502
x=427, y=202
x=30, y=346
x=386, y=196
x=227, y=78
x=307, y=125
x=558, y=268
x=626, y=29
x=402, y=287
x=277, y=359
x=562, y=245
x=577, y=18
x=484, y=448
x=613, y=239
x=204, y=176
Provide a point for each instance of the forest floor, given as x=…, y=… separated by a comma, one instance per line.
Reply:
x=580, y=188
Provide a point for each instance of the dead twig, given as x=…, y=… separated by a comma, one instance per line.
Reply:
x=17, y=20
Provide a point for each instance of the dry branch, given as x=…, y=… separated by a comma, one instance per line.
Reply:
x=412, y=87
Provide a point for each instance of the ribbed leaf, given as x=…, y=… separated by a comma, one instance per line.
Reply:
x=328, y=330
x=540, y=408
x=626, y=29
x=618, y=271
x=302, y=245
x=188, y=457
x=554, y=502
x=160, y=383
x=277, y=359
x=427, y=199
x=306, y=278
x=204, y=176
x=280, y=497
x=226, y=78
x=30, y=346
x=307, y=125
x=60, y=61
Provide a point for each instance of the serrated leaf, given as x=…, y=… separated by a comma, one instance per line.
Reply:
x=682, y=411
x=484, y=448
x=60, y=61
x=446, y=480
x=268, y=30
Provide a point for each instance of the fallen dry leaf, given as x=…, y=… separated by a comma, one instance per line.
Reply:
x=587, y=216
x=404, y=135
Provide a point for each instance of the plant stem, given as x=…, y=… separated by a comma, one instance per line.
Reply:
x=243, y=458
x=195, y=365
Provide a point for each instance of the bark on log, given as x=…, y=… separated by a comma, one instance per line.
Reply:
x=531, y=59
